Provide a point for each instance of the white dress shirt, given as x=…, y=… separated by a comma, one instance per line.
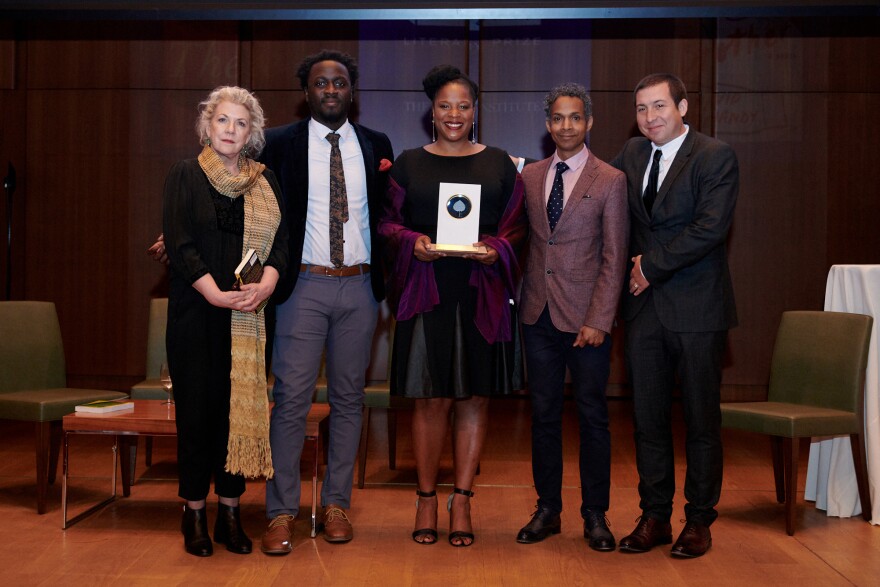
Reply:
x=669, y=150
x=355, y=232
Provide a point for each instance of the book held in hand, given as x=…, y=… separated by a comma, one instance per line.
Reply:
x=250, y=270
x=104, y=406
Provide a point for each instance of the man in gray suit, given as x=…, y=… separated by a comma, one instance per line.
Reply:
x=574, y=273
x=682, y=192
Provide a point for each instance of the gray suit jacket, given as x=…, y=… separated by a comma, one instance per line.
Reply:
x=683, y=244
x=578, y=269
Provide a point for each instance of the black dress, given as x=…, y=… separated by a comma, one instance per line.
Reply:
x=204, y=231
x=441, y=353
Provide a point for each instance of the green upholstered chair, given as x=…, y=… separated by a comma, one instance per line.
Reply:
x=817, y=387
x=33, y=381
x=151, y=387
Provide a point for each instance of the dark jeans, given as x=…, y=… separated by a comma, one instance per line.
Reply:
x=654, y=357
x=548, y=352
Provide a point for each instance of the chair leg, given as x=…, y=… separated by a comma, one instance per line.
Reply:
x=362, y=448
x=54, y=448
x=791, y=448
x=148, y=452
x=861, y=467
x=132, y=460
x=778, y=467
x=123, y=445
x=42, y=436
x=392, y=438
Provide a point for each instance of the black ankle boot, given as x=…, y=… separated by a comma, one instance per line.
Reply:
x=194, y=526
x=228, y=530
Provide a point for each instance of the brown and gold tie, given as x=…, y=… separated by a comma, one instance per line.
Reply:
x=338, y=201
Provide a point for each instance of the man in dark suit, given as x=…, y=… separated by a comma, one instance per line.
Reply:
x=679, y=305
x=574, y=273
x=330, y=297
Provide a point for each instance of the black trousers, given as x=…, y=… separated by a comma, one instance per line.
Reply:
x=655, y=356
x=548, y=352
x=198, y=344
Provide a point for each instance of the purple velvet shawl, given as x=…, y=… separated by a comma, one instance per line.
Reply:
x=411, y=287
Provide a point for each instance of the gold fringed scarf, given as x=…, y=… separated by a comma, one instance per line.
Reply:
x=248, y=451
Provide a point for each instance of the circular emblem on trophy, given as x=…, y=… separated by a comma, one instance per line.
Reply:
x=459, y=206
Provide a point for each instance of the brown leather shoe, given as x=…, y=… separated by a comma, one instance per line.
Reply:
x=337, y=527
x=648, y=534
x=693, y=541
x=278, y=537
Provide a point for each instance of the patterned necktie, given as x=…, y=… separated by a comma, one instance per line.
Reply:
x=338, y=201
x=653, y=177
x=555, y=201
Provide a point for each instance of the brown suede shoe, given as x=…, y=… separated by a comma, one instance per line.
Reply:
x=648, y=534
x=337, y=527
x=693, y=541
x=278, y=537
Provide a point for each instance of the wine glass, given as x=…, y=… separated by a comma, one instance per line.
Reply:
x=165, y=379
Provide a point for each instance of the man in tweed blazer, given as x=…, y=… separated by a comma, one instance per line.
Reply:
x=574, y=274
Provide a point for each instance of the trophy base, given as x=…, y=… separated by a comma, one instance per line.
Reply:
x=457, y=250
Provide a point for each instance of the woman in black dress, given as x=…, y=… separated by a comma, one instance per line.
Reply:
x=452, y=343
x=216, y=208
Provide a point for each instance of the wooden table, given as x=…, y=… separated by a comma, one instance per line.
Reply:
x=156, y=418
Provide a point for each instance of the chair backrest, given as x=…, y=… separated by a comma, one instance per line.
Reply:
x=31, y=351
x=820, y=360
x=156, y=336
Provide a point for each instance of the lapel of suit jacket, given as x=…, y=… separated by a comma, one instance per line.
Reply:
x=681, y=159
x=370, y=165
x=535, y=189
x=299, y=151
x=581, y=189
x=641, y=160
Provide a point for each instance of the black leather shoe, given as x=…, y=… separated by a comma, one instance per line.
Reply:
x=194, y=527
x=228, y=530
x=597, y=532
x=543, y=524
x=648, y=534
x=693, y=541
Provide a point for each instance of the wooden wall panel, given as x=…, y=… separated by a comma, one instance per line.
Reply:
x=161, y=55
x=624, y=51
x=534, y=56
x=854, y=179
x=278, y=47
x=777, y=247
x=395, y=56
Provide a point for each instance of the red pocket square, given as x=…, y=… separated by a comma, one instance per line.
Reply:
x=384, y=165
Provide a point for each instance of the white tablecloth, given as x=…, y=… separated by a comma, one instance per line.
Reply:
x=831, y=478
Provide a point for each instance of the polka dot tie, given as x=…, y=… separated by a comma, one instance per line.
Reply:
x=555, y=201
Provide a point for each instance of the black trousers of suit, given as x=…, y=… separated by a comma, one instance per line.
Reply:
x=654, y=357
x=548, y=352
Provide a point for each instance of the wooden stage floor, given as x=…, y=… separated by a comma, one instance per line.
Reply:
x=136, y=540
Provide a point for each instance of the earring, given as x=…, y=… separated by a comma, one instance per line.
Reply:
x=474, y=129
x=433, y=131
x=208, y=141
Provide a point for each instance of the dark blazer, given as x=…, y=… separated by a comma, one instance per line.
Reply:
x=286, y=153
x=683, y=244
x=577, y=270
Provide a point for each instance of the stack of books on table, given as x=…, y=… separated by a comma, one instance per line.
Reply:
x=104, y=406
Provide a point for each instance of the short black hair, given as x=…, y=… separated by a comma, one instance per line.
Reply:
x=346, y=60
x=441, y=75
x=570, y=90
x=676, y=86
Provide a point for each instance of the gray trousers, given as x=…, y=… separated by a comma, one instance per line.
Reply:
x=339, y=313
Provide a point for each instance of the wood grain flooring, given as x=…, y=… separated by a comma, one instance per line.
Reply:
x=136, y=541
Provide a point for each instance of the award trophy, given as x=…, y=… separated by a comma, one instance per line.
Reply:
x=458, y=219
